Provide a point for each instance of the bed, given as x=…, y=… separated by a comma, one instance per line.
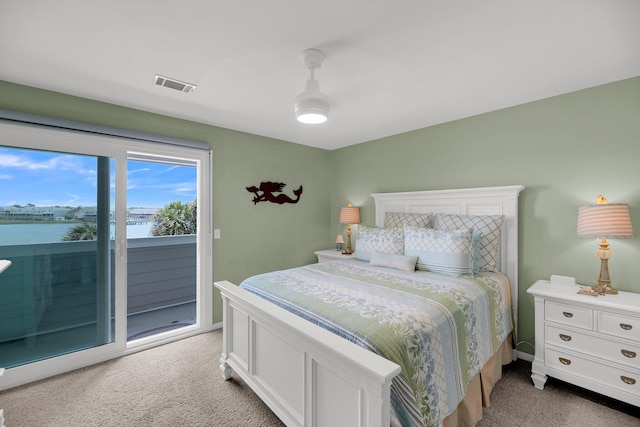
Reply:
x=312, y=371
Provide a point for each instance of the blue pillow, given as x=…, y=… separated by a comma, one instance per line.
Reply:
x=440, y=251
x=374, y=239
x=489, y=225
x=400, y=219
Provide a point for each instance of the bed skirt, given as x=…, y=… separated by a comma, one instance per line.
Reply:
x=469, y=411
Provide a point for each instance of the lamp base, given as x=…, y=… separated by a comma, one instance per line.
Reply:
x=348, y=250
x=604, y=281
x=604, y=289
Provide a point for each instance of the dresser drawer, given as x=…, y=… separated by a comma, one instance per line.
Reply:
x=566, y=314
x=621, y=379
x=610, y=349
x=619, y=325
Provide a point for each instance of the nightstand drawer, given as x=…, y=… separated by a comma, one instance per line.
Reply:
x=565, y=314
x=621, y=379
x=624, y=354
x=619, y=325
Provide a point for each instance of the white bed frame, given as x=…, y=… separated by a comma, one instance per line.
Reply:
x=311, y=377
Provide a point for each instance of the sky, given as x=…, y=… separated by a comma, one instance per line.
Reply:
x=44, y=178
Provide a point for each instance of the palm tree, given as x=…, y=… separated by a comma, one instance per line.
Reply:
x=175, y=218
x=84, y=231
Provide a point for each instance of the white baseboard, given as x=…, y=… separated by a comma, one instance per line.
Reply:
x=525, y=356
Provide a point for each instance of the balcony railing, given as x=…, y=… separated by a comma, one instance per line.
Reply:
x=51, y=287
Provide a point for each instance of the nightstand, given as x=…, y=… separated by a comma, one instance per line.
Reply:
x=332, y=255
x=592, y=342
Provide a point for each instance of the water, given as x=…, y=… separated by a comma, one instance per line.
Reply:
x=27, y=234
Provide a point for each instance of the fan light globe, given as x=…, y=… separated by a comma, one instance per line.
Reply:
x=311, y=118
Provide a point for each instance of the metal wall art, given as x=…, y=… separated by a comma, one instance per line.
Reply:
x=266, y=190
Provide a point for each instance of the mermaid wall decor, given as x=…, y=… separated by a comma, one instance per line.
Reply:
x=266, y=190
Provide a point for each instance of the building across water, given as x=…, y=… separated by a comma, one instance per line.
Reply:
x=61, y=213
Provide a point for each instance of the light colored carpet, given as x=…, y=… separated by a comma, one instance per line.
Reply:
x=516, y=402
x=180, y=385
x=177, y=384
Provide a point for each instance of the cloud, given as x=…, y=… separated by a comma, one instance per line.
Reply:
x=58, y=162
x=130, y=172
x=74, y=200
x=12, y=161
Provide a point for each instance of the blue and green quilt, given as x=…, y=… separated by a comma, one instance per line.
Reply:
x=440, y=329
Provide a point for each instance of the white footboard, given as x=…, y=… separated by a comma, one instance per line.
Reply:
x=305, y=374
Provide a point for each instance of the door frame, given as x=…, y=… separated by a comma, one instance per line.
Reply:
x=33, y=136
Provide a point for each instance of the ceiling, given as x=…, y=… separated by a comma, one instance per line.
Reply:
x=389, y=67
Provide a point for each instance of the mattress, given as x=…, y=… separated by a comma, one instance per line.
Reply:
x=441, y=330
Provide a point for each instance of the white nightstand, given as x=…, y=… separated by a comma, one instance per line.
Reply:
x=592, y=342
x=331, y=255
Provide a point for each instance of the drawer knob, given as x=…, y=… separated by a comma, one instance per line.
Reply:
x=625, y=326
x=567, y=361
x=564, y=337
x=628, y=353
x=627, y=380
x=569, y=315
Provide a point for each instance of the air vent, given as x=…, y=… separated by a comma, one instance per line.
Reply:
x=174, y=84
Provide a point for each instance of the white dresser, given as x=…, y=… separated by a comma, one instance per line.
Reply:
x=331, y=255
x=592, y=342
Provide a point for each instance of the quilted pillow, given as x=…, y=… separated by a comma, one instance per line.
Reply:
x=400, y=219
x=399, y=262
x=490, y=226
x=441, y=251
x=375, y=239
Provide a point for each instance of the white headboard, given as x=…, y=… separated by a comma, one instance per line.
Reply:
x=466, y=201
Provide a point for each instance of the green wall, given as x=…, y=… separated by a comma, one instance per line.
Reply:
x=255, y=238
x=565, y=150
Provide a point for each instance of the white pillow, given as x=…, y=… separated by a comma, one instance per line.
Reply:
x=374, y=239
x=398, y=262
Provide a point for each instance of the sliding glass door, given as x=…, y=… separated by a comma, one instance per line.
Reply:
x=57, y=296
x=161, y=245
x=83, y=274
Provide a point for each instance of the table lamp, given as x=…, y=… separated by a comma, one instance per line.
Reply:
x=604, y=220
x=349, y=215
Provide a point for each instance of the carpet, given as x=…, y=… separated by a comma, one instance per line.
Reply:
x=180, y=385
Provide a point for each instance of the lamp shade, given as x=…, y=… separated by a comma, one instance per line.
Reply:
x=349, y=214
x=339, y=239
x=604, y=220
